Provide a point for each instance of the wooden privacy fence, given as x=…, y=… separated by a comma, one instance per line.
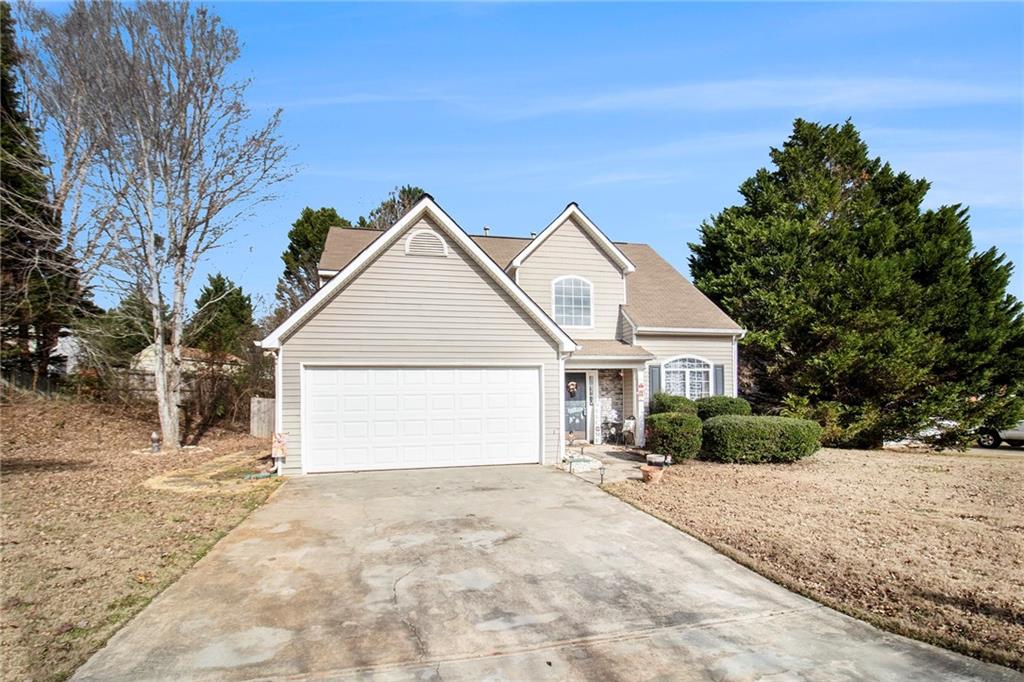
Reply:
x=261, y=416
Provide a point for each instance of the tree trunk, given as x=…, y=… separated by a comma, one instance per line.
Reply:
x=166, y=407
x=177, y=337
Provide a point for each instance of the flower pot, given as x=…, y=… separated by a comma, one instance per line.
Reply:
x=651, y=474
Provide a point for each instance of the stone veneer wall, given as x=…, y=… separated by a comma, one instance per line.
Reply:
x=609, y=396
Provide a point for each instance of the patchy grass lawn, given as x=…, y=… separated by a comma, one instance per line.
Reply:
x=88, y=539
x=930, y=546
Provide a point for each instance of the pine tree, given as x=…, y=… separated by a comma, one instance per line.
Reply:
x=863, y=310
x=306, y=239
x=302, y=257
x=37, y=295
x=398, y=201
x=223, y=319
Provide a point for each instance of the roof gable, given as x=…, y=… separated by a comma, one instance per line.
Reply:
x=426, y=207
x=573, y=212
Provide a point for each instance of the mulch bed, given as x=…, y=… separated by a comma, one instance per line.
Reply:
x=86, y=544
x=926, y=545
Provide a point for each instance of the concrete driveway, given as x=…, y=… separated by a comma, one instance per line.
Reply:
x=519, y=573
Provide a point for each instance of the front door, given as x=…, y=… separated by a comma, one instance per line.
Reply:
x=576, y=405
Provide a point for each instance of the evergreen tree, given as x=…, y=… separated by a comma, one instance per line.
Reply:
x=863, y=310
x=115, y=336
x=398, y=201
x=223, y=319
x=37, y=295
x=305, y=246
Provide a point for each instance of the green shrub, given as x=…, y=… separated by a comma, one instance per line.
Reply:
x=737, y=438
x=674, y=433
x=664, y=402
x=717, y=405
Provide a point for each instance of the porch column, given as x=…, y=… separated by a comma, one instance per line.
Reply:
x=640, y=378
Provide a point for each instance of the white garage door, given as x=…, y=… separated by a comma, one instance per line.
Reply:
x=359, y=418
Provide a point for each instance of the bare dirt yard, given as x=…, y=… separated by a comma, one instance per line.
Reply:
x=926, y=545
x=93, y=529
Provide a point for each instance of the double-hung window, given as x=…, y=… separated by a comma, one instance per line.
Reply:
x=573, y=302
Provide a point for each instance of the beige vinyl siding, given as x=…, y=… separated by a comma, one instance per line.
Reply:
x=420, y=310
x=569, y=251
x=715, y=349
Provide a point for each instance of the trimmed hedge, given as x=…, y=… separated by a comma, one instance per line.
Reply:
x=737, y=438
x=664, y=402
x=717, y=405
x=674, y=433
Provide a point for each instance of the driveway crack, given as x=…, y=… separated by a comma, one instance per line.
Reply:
x=421, y=645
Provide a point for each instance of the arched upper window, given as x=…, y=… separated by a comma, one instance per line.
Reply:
x=688, y=377
x=574, y=305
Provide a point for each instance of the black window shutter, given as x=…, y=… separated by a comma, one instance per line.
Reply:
x=719, y=379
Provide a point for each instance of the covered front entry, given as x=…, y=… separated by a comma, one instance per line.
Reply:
x=576, y=406
x=600, y=402
x=365, y=418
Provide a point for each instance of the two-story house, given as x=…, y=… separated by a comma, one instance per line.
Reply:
x=428, y=347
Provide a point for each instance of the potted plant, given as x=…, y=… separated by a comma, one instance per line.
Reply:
x=652, y=474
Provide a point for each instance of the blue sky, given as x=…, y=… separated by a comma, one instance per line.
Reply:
x=649, y=116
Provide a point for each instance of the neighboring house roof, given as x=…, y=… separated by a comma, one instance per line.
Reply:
x=572, y=211
x=194, y=355
x=659, y=297
x=371, y=248
x=610, y=348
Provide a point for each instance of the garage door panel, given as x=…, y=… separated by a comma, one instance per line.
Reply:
x=383, y=418
x=414, y=428
x=442, y=401
x=413, y=402
x=441, y=427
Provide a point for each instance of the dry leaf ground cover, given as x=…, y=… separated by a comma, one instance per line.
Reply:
x=86, y=542
x=931, y=546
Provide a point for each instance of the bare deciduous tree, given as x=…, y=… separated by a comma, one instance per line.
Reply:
x=178, y=160
x=58, y=71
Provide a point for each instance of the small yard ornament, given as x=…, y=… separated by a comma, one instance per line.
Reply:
x=279, y=449
x=154, y=442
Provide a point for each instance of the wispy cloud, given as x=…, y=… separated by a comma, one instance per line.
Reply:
x=361, y=98
x=844, y=95
x=621, y=178
x=981, y=168
x=816, y=94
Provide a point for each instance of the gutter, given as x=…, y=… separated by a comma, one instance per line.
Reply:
x=692, y=331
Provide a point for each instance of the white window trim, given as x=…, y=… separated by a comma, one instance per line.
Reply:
x=688, y=356
x=421, y=230
x=554, y=312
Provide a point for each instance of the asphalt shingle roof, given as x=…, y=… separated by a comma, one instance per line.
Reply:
x=610, y=348
x=658, y=295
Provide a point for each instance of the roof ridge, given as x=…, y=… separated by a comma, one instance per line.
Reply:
x=353, y=228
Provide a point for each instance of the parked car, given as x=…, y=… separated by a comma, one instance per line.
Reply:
x=991, y=438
